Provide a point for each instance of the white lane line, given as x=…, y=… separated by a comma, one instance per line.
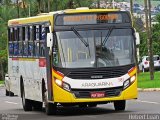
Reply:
x=150, y=102
x=11, y=102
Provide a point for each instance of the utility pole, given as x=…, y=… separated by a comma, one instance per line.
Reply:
x=113, y=5
x=17, y=2
x=98, y=3
x=49, y=5
x=151, y=64
x=71, y=4
x=149, y=37
x=131, y=7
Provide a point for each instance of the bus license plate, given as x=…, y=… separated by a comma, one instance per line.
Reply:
x=97, y=94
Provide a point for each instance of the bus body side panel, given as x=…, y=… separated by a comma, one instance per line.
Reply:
x=13, y=71
x=28, y=67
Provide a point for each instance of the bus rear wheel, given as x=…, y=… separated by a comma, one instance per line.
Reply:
x=11, y=94
x=7, y=92
x=119, y=105
x=27, y=104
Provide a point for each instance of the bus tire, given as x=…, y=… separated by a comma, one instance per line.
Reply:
x=37, y=105
x=92, y=105
x=27, y=104
x=119, y=105
x=11, y=94
x=50, y=108
x=7, y=93
x=82, y=105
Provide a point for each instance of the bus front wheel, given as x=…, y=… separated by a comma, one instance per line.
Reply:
x=50, y=108
x=119, y=105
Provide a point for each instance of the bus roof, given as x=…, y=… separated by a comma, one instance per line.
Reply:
x=35, y=19
x=89, y=10
x=49, y=16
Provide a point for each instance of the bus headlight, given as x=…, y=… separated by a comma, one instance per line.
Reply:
x=62, y=84
x=58, y=82
x=66, y=86
x=129, y=81
x=132, y=79
x=126, y=84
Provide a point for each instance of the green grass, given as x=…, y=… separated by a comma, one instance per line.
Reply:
x=145, y=82
x=1, y=81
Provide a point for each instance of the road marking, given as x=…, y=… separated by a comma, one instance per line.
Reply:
x=11, y=102
x=148, y=102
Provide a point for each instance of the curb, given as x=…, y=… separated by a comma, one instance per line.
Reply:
x=148, y=89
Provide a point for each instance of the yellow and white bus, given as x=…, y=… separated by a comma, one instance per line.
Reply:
x=72, y=57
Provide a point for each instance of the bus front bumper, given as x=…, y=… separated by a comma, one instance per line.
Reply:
x=62, y=96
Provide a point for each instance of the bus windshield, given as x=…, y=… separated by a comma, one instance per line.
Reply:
x=105, y=48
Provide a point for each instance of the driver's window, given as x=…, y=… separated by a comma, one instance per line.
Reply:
x=56, y=59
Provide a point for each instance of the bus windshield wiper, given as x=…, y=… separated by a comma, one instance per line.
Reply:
x=79, y=36
x=107, y=36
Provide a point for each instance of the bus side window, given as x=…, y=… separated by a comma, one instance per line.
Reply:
x=30, y=48
x=25, y=42
x=30, y=33
x=30, y=40
x=37, y=32
x=35, y=42
x=15, y=41
x=10, y=48
x=26, y=33
x=10, y=38
x=15, y=48
x=16, y=36
x=36, y=49
x=43, y=33
x=20, y=42
x=20, y=48
x=42, y=40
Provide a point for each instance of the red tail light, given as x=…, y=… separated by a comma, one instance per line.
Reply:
x=146, y=63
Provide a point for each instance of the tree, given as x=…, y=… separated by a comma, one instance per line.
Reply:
x=155, y=36
x=7, y=12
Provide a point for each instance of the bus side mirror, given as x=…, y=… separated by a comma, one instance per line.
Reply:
x=137, y=38
x=50, y=41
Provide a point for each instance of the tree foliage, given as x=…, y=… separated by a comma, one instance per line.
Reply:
x=143, y=47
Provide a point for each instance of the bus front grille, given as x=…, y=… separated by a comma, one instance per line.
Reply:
x=99, y=73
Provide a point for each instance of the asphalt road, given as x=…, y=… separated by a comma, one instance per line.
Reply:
x=147, y=106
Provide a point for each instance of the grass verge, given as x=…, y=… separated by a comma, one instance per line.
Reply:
x=1, y=81
x=145, y=82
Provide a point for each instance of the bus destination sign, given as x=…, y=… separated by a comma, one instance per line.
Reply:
x=91, y=18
